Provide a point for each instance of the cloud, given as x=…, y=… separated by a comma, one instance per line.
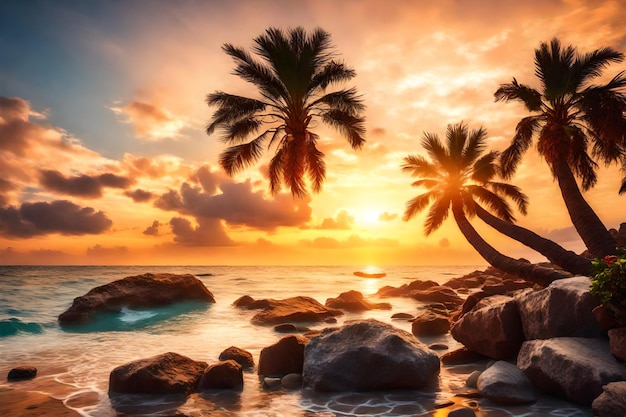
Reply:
x=139, y=195
x=209, y=232
x=101, y=251
x=42, y=218
x=152, y=230
x=16, y=132
x=343, y=221
x=81, y=185
x=150, y=121
x=387, y=217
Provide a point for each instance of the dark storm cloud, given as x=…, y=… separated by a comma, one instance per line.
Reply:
x=85, y=186
x=139, y=195
x=42, y=218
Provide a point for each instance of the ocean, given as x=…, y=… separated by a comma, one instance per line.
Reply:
x=74, y=366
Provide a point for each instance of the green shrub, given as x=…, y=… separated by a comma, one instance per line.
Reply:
x=609, y=284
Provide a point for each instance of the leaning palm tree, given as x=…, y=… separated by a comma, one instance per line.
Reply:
x=456, y=176
x=292, y=75
x=574, y=122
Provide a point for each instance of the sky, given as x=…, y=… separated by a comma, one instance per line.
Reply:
x=105, y=159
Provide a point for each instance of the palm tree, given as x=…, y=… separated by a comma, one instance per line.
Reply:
x=292, y=76
x=457, y=175
x=574, y=122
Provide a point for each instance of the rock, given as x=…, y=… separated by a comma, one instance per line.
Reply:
x=242, y=357
x=462, y=412
x=294, y=309
x=140, y=291
x=291, y=381
x=505, y=384
x=421, y=285
x=406, y=289
x=438, y=308
x=439, y=294
x=472, y=380
x=402, y=316
x=354, y=301
x=283, y=357
x=471, y=301
x=612, y=401
x=366, y=355
x=461, y=356
x=573, y=368
x=271, y=383
x=472, y=280
x=168, y=373
x=285, y=328
x=226, y=374
x=617, y=342
x=20, y=373
x=430, y=323
x=506, y=286
x=605, y=320
x=495, y=330
x=563, y=309
x=243, y=301
x=438, y=346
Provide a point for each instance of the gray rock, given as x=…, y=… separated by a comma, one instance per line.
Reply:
x=272, y=382
x=612, y=401
x=367, y=355
x=472, y=380
x=504, y=383
x=573, y=368
x=291, y=381
x=491, y=329
x=563, y=309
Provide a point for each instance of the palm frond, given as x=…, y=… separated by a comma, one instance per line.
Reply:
x=416, y=205
x=418, y=166
x=496, y=203
x=347, y=101
x=511, y=157
x=530, y=97
x=427, y=183
x=294, y=168
x=239, y=157
x=231, y=108
x=485, y=168
x=350, y=126
x=456, y=135
x=238, y=131
x=316, y=167
x=475, y=146
x=435, y=149
x=622, y=189
x=590, y=65
x=581, y=164
x=513, y=192
x=332, y=73
x=553, y=66
x=437, y=214
x=275, y=171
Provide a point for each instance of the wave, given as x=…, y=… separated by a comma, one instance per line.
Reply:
x=13, y=326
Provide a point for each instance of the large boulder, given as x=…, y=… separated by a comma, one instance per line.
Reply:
x=612, y=401
x=563, y=309
x=283, y=357
x=294, y=309
x=136, y=292
x=169, y=373
x=226, y=374
x=504, y=383
x=573, y=368
x=354, y=301
x=493, y=328
x=366, y=355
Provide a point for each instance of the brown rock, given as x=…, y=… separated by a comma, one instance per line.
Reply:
x=294, y=309
x=22, y=372
x=286, y=328
x=242, y=357
x=461, y=356
x=354, y=301
x=472, y=280
x=439, y=294
x=612, y=401
x=243, y=301
x=605, y=320
x=168, y=373
x=617, y=342
x=506, y=286
x=430, y=323
x=140, y=291
x=283, y=357
x=226, y=374
x=402, y=316
x=421, y=285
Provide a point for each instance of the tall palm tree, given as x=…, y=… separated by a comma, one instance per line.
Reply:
x=292, y=75
x=458, y=175
x=574, y=122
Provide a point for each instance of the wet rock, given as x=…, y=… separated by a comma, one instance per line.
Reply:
x=293, y=310
x=291, y=381
x=439, y=294
x=140, y=291
x=503, y=383
x=612, y=401
x=430, y=323
x=286, y=328
x=402, y=316
x=243, y=301
x=438, y=346
x=242, y=357
x=168, y=373
x=272, y=382
x=354, y=301
x=493, y=328
x=563, y=309
x=226, y=374
x=506, y=286
x=461, y=356
x=617, y=342
x=462, y=412
x=406, y=289
x=472, y=280
x=20, y=373
x=283, y=357
x=367, y=355
x=573, y=368
x=472, y=379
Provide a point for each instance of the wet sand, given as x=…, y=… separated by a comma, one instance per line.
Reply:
x=31, y=404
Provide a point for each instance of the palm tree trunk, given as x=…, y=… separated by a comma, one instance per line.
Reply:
x=558, y=255
x=587, y=223
x=525, y=270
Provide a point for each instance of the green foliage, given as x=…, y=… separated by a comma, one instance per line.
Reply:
x=609, y=284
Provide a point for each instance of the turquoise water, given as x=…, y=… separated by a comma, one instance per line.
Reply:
x=74, y=364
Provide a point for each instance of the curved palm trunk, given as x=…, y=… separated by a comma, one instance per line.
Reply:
x=558, y=255
x=587, y=223
x=525, y=270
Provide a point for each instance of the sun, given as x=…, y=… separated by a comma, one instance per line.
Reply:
x=368, y=216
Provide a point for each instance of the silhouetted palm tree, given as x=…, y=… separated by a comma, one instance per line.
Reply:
x=458, y=176
x=292, y=76
x=573, y=121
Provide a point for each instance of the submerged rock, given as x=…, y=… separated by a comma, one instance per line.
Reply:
x=136, y=292
x=354, y=301
x=366, y=355
x=169, y=373
x=291, y=310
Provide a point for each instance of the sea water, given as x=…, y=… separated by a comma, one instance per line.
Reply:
x=74, y=364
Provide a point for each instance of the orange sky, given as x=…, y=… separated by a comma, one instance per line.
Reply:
x=104, y=158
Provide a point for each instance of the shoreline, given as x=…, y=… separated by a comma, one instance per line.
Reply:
x=15, y=402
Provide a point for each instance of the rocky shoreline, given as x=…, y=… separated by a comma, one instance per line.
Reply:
x=540, y=340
